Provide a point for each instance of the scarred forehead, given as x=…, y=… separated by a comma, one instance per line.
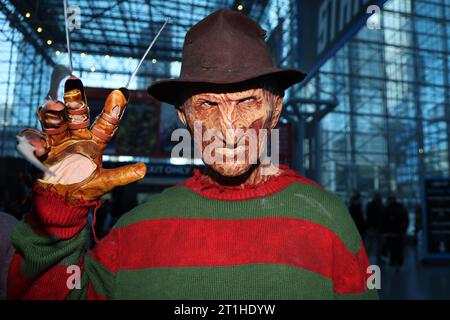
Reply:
x=228, y=96
x=257, y=87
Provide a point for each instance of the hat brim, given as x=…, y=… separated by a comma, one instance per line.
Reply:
x=169, y=90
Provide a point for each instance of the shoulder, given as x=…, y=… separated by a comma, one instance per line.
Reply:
x=327, y=209
x=309, y=193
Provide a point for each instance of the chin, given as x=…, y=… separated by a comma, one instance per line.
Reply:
x=231, y=170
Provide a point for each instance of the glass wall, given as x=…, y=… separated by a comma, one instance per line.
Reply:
x=391, y=126
x=24, y=83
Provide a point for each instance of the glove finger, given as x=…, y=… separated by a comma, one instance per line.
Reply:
x=53, y=120
x=123, y=175
x=77, y=110
x=38, y=139
x=107, y=122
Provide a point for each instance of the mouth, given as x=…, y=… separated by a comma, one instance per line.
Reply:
x=227, y=151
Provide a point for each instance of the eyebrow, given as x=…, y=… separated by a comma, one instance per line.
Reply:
x=240, y=96
x=247, y=97
x=202, y=100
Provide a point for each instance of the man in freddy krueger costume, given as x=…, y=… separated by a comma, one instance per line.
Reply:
x=236, y=231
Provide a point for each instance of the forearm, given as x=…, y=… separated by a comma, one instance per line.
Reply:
x=51, y=237
x=48, y=240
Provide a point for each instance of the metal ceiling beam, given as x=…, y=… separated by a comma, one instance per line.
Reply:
x=127, y=73
x=16, y=22
x=84, y=46
x=99, y=52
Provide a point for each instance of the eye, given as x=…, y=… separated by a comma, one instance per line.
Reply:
x=207, y=103
x=247, y=100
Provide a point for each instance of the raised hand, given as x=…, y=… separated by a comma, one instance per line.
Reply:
x=73, y=151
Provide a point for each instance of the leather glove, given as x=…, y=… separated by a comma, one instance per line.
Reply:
x=73, y=151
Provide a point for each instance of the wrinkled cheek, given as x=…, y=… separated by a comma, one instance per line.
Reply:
x=256, y=118
x=203, y=121
x=208, y=118
x=262, y=131
x=205, y=138
x=257, y=125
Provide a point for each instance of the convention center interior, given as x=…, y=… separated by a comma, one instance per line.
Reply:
x=366, y=120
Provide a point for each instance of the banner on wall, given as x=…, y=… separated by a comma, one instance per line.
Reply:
x=326, y=25
x=436, y=218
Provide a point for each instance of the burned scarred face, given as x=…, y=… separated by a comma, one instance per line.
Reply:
x=230, y=121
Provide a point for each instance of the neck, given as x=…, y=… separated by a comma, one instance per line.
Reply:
x=257, y=174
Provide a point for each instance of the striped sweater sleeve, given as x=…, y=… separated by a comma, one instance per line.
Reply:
x=350, y=260
x=51, y=260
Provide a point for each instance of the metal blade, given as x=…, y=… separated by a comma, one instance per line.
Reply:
x=69, y=50
x=58, y=74
x=146, y=53
x=27, y=151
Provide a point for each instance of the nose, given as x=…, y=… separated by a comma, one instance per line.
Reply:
x=229, y=124
x=227, y=114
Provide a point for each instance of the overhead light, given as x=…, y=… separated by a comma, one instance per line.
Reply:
x=240, y=7
x=106, y=56
x=39, y=29
x=57, y=52
x=27, y=15
x=154, y=60
x=92, y=69
x=82, y=54
x=49, y=42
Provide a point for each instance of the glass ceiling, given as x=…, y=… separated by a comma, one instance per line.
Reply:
x=113, y=35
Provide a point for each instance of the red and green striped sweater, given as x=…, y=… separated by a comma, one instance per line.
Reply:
x=287, y=238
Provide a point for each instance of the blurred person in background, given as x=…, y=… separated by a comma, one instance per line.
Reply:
x=417, y=222
x=396, y=224
x=7, y=223
x=374, y=212
x=356, y=211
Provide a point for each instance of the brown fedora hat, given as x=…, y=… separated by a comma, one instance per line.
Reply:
x=226, y=47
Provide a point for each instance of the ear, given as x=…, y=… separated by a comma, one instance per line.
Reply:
x=182, y=116
x=278, y=105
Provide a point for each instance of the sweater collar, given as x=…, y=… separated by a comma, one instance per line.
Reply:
x=274, y=184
